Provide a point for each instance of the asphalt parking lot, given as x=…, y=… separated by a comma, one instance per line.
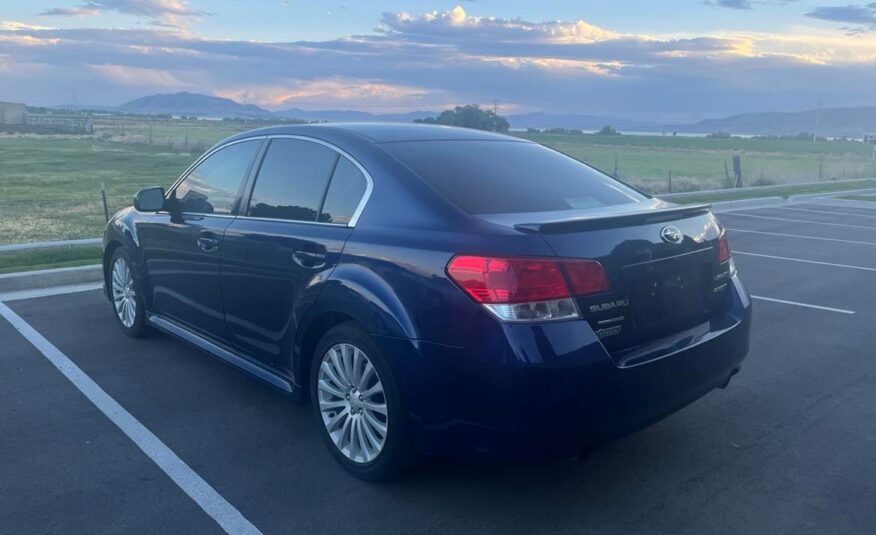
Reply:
x=789, y=447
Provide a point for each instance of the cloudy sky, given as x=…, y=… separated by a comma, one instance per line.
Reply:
x=654, y=60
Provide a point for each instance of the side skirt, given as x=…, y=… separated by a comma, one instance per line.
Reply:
x=231, y=357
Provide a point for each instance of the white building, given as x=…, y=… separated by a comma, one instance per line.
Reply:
x=11, y=113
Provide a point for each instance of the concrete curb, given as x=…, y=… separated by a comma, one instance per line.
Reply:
x=808, y=197
x=743, y=204
x=45, y=278
x=760, y=189
x=9, y=247
x=847, y=203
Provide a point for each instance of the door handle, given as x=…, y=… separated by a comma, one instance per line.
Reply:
x=309, y=259
x=208, y=245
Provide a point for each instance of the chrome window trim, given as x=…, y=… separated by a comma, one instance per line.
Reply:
x=203, y=157
x=369, y=181
x=278, y=220
x=199, y=214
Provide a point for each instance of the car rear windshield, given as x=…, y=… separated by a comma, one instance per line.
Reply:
x=501, y=177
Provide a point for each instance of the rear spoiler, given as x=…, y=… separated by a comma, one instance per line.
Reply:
x=653, y=215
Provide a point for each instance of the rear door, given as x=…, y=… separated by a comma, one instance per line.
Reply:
x=289, y=238
x=183, y=247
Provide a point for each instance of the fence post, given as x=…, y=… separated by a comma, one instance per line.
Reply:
x=670, y=181
x=615, y=166
x=737, y=170
x=726, y=173
x=103, y=196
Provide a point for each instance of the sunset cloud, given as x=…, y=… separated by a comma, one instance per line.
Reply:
x=166, y=13
x=432, y=60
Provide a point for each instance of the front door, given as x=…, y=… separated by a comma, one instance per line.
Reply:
x=183, y=247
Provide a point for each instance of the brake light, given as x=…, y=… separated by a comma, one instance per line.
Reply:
x=527, y=289
x=586, y=276
x=723, y=249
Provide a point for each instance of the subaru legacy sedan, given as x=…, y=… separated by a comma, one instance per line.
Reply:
x=433, y=290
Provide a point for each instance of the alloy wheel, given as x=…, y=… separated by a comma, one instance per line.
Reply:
x=124, y=295
x=352, y=403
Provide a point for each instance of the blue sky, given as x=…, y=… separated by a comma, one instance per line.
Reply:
x=672, y=59
x=308, y=19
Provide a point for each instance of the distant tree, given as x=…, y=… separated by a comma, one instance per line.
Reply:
x=608, y=131
x=471, y=116
x=531, y=130
x=720, y=135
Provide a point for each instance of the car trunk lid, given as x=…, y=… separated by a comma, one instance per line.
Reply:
x=661, y=260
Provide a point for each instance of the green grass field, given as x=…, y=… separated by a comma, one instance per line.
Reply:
x=50, y=185
x=698, y=163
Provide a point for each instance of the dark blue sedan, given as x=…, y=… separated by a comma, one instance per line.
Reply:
x=433, y=290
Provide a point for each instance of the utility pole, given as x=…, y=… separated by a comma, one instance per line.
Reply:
x=496, y=103
x=817, y=120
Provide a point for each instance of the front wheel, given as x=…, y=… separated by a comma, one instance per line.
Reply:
x=130, y=313
x=357, y=405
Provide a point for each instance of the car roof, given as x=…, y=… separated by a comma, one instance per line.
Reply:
x=377, y=132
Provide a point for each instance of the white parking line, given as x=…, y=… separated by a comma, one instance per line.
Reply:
x=823, y=212
x=862, y=268
x=800, y=236
x=45, y=292
x=800, y=221
x=805, y=305
x=225, y=514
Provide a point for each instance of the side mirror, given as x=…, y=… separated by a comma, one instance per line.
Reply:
x=149, y=200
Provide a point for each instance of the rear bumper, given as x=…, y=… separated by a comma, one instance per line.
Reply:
x=552, y=389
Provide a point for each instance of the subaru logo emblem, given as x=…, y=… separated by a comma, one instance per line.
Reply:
x=671, y=234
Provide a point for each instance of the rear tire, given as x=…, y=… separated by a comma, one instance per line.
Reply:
x=357, y=406
x=126, y=297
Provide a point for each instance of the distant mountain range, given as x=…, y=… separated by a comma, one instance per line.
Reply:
x=582, y=122
x=352, y=116
x=831, y=122
x=194, y=104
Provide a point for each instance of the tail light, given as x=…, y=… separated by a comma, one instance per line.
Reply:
x=527, y=289
x=724, y=253
x=723, y=249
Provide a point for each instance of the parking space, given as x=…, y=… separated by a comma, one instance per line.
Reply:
x=788, y=447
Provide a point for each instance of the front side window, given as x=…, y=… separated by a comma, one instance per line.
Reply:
x=211, y=188
x=292, y=180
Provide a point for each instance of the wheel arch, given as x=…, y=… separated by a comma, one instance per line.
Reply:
x=353, y=293
x=108, y=252
x=314, y=332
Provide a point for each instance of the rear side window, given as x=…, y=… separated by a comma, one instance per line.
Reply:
x=347, y=187
x=501, y=177
x=292, y=180
x=211, y=187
